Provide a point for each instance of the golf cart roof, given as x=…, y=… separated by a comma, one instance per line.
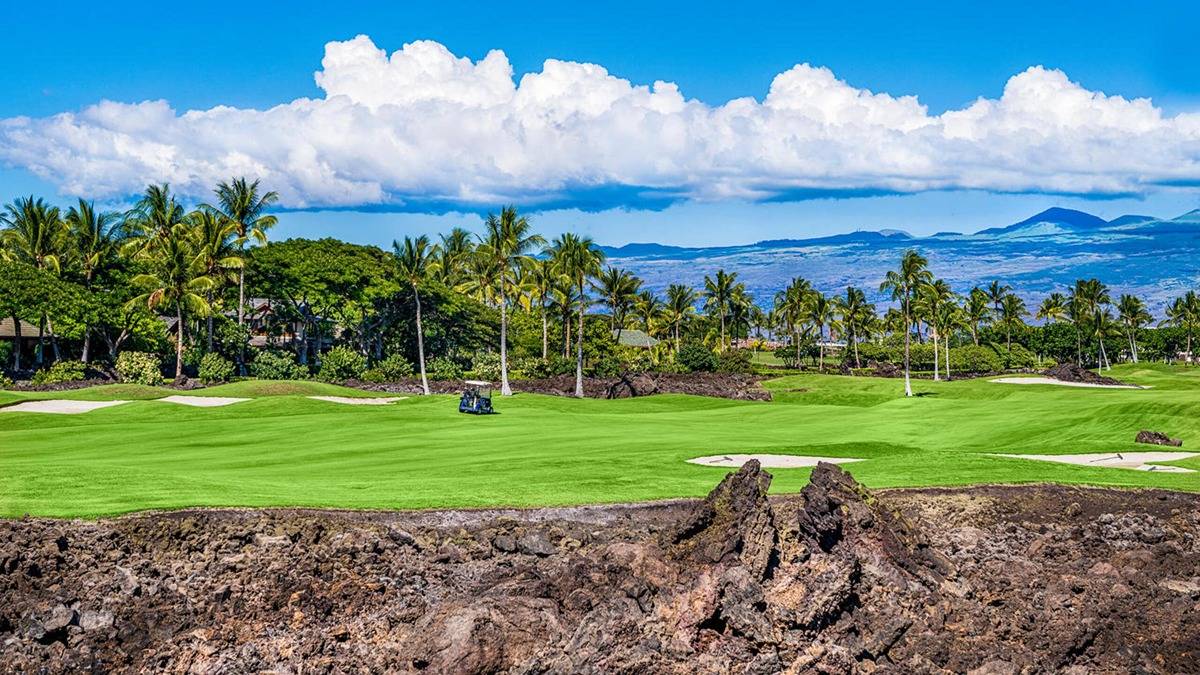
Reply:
x=478, y=383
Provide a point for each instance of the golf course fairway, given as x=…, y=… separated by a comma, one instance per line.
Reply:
x=282, y=448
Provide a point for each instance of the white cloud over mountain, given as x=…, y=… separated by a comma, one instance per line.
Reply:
x=424, y=127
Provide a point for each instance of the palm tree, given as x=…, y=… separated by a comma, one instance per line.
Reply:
x=218, y=255
x=976, y=311
x=820, y=313
x=96, y=239
x=414, y=259
x=451, y=256
x=241, y=203
x=1133, y=316
x=855, y=313
x=718, y=291
x=1012, y=311
x=580, y=259
x=1091, y=296
x=950, y=317
x=543, y=277
x=903, y=283
x=619, y=289
x=647, y=306
x=509, y=239
x=681, y=304
x=996, y=292
x=1053, y=308
x=791, y=305
x=175, y=279
x=932, y=298
x=1184, y=313
x=34, y=233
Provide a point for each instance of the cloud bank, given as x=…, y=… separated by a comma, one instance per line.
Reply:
x=426, y=129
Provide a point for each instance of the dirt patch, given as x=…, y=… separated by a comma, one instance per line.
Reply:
x=1070, y=372
x=836, y=579
x=717, y=385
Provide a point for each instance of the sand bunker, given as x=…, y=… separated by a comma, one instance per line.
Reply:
x=1050, y=380
x=359, y=401
x=770, y=461
x=1139, y=461
x=202, y=401
x=60, y=407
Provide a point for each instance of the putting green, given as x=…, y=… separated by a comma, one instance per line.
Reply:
x=283, y=449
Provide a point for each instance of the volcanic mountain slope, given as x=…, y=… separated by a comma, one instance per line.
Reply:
x=1153, y=258
x=836, y=580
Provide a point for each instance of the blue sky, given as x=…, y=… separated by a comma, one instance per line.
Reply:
x=253, y=57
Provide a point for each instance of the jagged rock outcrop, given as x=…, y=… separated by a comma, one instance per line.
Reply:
x=836, y=579
x=1072, y=372
x=1157, y=438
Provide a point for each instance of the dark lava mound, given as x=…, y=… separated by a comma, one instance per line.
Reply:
x=1070, y=372
x=834, y=580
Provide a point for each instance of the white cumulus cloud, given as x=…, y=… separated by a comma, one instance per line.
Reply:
x=424, y=128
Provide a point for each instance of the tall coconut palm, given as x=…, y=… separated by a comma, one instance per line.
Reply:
x=996, y=292
x=579, y=259
x=175, y=280
x=451, y=256
x=244, y=204
x=1093, y=297
x=854, y=311
x=681, y=304
x=509, y=238
x=413, y=259
x=903, y=283
x=34, y=233
x=819, y=314
x=1012, y=314
x=976, y=311
x=618, y=289
x=932, y=298
x=950, y=318
x=1184, y=312
x=1053, y=308
x=219, y=258
x=647, y=307
x=718, y=290
x=791, y=305
x=543, y=277
x=1133, y=315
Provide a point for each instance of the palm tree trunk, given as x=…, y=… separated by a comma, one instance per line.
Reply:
x=857, y=362
x=820, y=349
x=87, y=343
x=579, y=347
x=505, y=390
x=907, y=341
x=179, y=341
x=722, y=315
x=241, y=319
x=545, y=332
x=40, y=356
x=16, y=343
x=420, y=343
x=947, y=360
x=936, y=364
x=53, y=338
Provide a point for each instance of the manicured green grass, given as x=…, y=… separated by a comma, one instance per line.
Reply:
x=282, y=449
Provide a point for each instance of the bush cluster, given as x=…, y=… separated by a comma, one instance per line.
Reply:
x=486, y=366
x=215, y=368
x=391, y=369
x=5, y=381
x=277, y=365
x=986, y=358
x=61, y=371
x=734, y=361
x=342, y=363
x=536, y=367
x=443, y=368
x=696, y=358
x=139, y=367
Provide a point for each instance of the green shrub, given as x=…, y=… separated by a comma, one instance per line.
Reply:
x=696, y=358
x=342, y=363
x=61, y=371
x=277, y=365
x=391, y=369
x=734, y=361
x=215, y=368
x=974, y=359
x=443, y=368
x=139, y=367
x=6, y=350
x=486, y=366
x=5, y=381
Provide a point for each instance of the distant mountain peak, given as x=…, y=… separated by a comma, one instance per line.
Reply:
x=1131, y=219
x=1055, y=215
x=1190, y=216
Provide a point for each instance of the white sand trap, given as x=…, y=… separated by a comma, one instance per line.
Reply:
x=1051, y=380
x=359, y=401
x=770, y=461
x=202, y=401
x=60, y=407
x=1139, y=461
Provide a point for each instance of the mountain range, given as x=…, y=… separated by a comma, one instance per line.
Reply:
x=1155, y=258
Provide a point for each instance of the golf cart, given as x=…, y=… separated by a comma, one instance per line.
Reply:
x=476, y=398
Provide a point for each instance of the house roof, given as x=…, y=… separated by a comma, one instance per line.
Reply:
x=28, y=330
x=632, y=337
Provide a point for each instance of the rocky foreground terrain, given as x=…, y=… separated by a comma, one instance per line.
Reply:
x=836, y=580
